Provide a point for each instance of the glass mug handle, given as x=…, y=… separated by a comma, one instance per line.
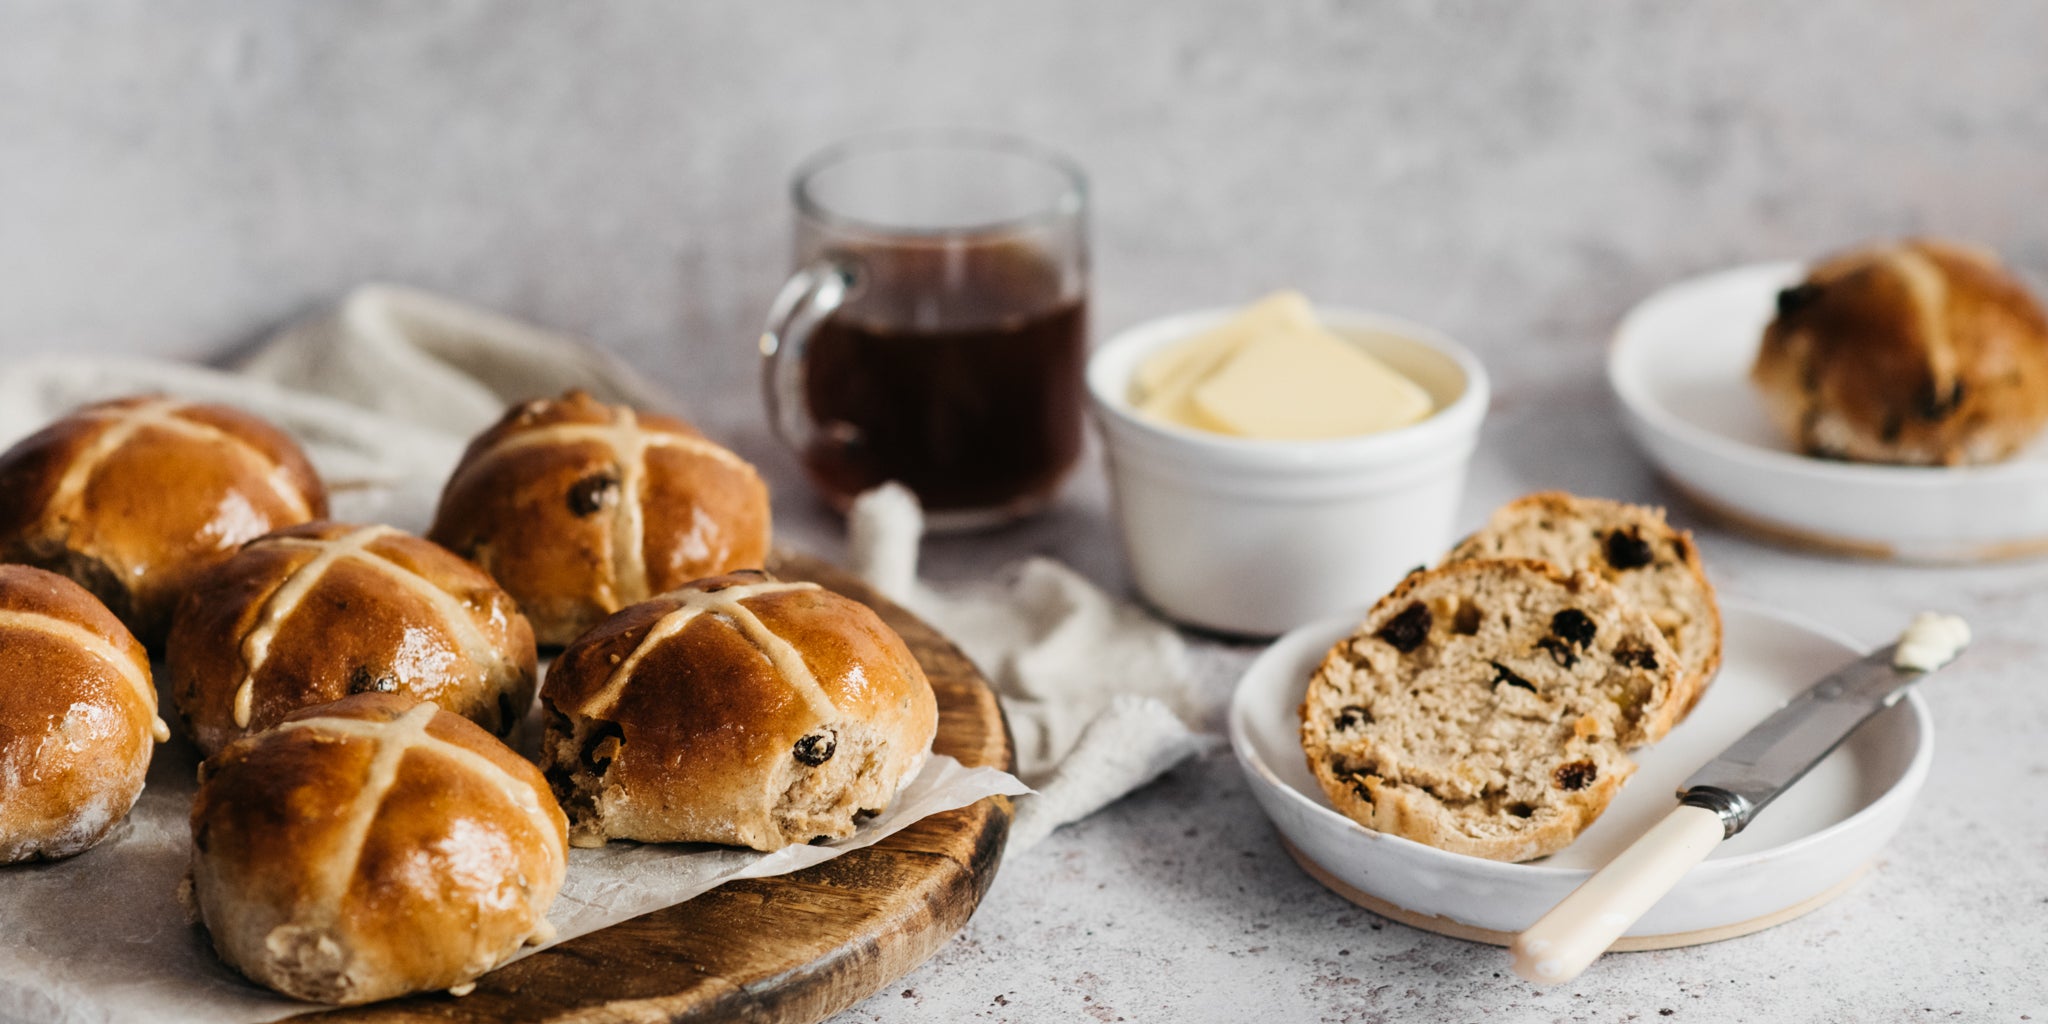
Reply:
x=810, y=295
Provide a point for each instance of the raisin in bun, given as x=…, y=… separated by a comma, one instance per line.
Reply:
x=739, y=709
x=579, y=509
x=373, y=847
x=77, y=717
x=318, y=612
x=133, y=497
x=1449, y=719
x=1918, y=352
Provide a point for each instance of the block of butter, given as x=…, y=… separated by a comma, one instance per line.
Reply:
x=1274, y=372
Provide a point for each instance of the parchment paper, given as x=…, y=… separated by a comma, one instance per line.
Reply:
x=102, y=936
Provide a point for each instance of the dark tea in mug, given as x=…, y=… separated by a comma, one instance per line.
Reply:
x=969, y=394
x=935, y=330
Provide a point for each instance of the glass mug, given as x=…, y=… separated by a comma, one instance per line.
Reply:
x=935, y=329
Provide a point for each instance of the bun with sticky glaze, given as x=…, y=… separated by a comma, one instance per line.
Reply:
x=579, y=509
x=78, y=717
x=134, y=497
x=740, y=709
x=370, y=848
x=318, y=612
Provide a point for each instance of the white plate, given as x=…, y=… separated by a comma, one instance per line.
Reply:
x=1680, y=365
x=1805, y=847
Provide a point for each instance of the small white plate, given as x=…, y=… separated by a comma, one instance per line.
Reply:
x=1806, y=847
x=1680, y=366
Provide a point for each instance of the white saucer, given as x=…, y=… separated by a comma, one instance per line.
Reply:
x=1680, y=365
x=1804, y=848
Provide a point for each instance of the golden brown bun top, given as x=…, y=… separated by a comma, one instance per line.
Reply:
x=1918, y=351
x=131, y=496
x=574, y=407
x=43, y=602
x=861, y=667
x=369, y=821
x=77, y=717
x=309, y=748
x=52, y=674
x=335, y=609
x=30, y=591
x=475, y=752
x=579, y=509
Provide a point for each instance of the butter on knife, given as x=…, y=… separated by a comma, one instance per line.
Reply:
x=1274, y=372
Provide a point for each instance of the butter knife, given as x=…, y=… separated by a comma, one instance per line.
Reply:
x=1723, y=797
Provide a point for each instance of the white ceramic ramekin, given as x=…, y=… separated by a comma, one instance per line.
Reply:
x=1257, y=537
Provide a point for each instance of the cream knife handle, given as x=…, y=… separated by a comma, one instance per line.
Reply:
x=1576, y=931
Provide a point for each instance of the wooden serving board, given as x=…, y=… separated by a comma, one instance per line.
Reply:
x=798, y=947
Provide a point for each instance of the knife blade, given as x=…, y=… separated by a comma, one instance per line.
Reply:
x=1782, y=748
x=1723, y=797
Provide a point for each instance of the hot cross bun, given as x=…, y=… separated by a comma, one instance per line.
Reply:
x=579, y=509
x=132, y=498
x=1918, y=352
x=77, y=717
x=739, y=709
x=373, y=847
x=318, y=612
x=1653, y=565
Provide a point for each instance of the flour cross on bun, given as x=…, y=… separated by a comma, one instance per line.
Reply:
x=353, y=546
x=394, y=739
x=579, y=508
x=124, y=422
x=627, y=444
x=727, y=603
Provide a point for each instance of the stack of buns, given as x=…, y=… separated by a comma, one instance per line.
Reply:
x=1487, y=706
x=362, y=829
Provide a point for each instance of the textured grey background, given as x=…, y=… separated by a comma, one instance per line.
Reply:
x=180, y=177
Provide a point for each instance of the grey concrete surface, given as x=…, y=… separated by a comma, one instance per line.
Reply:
x=179, y=178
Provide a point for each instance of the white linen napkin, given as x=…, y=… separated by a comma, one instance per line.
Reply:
x=1098, y=692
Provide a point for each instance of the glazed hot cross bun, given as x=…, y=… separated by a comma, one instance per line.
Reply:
x=1918, y=352
x=579, y=509
x=739, y=709
x=77, y=717
x=132, y=498
x=373, y=847
x=318, y=612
